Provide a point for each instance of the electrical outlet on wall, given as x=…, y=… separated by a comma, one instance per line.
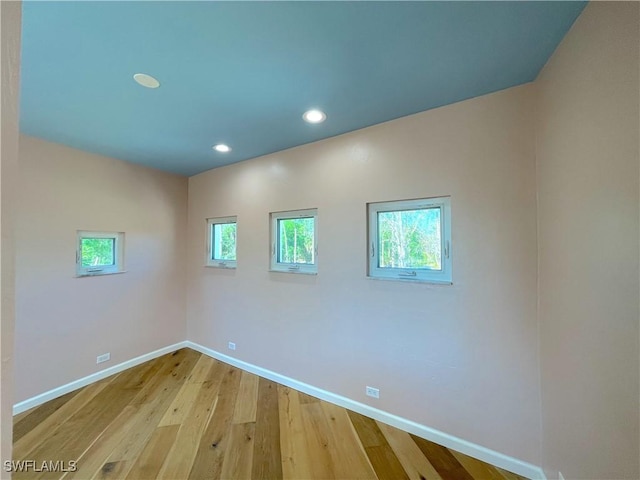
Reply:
x=232, y=346
x=372, y=392
x=103, y=358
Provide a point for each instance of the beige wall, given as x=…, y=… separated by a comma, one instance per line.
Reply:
x=462, y=358
x=10, y=14
x=587, y=162
x=68, y=321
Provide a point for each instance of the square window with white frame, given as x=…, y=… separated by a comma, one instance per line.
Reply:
x=294, y=241
x=410, y=240
x=99, y=253
x=222, y=236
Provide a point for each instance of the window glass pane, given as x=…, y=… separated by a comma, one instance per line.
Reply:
x=224, y=241
x=295, y=240
x=98, y=251
x=410, y=239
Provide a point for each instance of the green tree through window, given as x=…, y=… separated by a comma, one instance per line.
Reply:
x=98, y=251
x=410, y=239
x=224, y=241
x=296, y=240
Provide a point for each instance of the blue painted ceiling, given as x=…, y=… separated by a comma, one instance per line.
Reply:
x=242, y=73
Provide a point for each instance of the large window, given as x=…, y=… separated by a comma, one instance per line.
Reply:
x=99, y=253
x=222, y=235
x=410, y=240
x=294, y=245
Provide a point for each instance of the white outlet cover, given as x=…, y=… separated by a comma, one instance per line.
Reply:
x=103, y=358
x=372, y=392
x=232, y=346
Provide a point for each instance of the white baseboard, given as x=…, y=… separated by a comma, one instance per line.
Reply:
x=477, y=451
x=94, y=377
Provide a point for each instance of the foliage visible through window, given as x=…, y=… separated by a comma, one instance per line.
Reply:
x=222, y=238
x=294, y=241
x=411, y=240
x=99, y=253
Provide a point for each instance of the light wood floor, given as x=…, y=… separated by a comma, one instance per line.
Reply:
x=185, y=415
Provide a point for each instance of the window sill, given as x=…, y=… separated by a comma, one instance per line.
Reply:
x=295, y=272
x=99, y=274
x=443, y=283
x=223, y=267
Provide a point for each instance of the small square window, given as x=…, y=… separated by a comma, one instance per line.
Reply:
x=294, y=241
x=99, y=253
x=411, y=240
x=222, y=236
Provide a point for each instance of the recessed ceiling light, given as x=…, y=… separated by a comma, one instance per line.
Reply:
x=314, y=116
x=222, y=148
x=146, y=80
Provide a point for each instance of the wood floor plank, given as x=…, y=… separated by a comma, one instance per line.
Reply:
x=181, y=405
x=152, y=457
x=171, y=374
x=350, y=459
x=180, y=459
x=267, y=462
x=382, y=458
x=158, y=394
x=30, y=440
x=442, y=460
x=189, y=391
x=509, y=475
x=245, y=410
x=215, y=438
x=410, y=456
x=71, y=438
x=146, y=371
x=367, y=429
x=238, y=458
x=39, y=414
x=92, y=459
x=113, y=470
x=476, y=468
x=296, y=457
x=201, y=370
x=385, y=463
x=20, y=416
x=317, y=440
x=304, y=398
x=127, y=388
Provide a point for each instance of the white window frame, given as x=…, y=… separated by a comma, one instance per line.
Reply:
x=443, y=276
x=303, y=268
x=118, y=254
x=209, y=260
